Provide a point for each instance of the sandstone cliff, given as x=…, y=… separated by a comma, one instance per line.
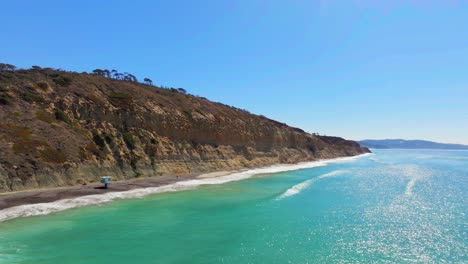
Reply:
x=61, y=128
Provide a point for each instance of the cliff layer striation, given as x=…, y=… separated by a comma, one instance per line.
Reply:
x=62, y=128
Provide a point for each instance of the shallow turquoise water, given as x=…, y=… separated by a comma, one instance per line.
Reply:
x=396, y=206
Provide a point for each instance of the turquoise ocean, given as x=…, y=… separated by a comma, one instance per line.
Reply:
x=395, y=206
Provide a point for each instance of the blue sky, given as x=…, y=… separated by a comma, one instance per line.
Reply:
x=357, y=69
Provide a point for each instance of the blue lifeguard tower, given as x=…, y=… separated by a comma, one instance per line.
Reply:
x=105, y=180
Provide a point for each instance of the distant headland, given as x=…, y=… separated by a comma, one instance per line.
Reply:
x=408, y=144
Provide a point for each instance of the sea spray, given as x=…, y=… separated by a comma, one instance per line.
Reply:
x=61, y=205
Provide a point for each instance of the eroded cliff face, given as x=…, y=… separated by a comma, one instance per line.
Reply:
x=60, y=128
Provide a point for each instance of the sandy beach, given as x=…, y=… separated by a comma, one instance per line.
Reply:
x=12, y=199
x=45, y=201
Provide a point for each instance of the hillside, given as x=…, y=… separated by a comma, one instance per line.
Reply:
x=61, y=128
x=408, y=144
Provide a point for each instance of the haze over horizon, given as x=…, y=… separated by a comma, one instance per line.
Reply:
x=359, y=70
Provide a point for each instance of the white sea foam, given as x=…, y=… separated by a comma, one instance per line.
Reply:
x=60, y=205
x=305, y=184
x=296, y=189
x=409, y=187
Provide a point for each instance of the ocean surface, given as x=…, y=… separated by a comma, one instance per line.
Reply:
x=396, y=206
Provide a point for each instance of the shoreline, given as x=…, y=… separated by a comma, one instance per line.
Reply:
x=47, y=195
x=45, y=201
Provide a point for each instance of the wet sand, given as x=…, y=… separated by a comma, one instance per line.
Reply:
x=49, y=195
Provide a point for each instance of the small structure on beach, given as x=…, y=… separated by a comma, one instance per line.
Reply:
x=105, y=180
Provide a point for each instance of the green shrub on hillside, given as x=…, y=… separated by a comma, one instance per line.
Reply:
x=62, y=116
x=31, y=97
x=119, y=95
x=7, y=75
x=188, y=113
x=53, y=155
x=5, y=99
x=43, y=85
x=93, y=149
x=45, y=116
x=128, y=139
x=62, y=81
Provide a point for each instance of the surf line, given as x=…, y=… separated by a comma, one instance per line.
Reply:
x=96, y=199
x=305, y=184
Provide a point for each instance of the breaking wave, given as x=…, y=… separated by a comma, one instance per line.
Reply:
x=305, y=184
x=409, y=187
x=61, y=205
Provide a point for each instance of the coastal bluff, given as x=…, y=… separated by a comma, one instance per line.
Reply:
x=60, y=128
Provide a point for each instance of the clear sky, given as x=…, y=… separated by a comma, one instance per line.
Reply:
x=358, y=69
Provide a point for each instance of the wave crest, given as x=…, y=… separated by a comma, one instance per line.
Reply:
x=409, y=187
x=61, y=205
x=303, y=185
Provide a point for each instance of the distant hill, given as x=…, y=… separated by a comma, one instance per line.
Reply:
x=407, y=144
